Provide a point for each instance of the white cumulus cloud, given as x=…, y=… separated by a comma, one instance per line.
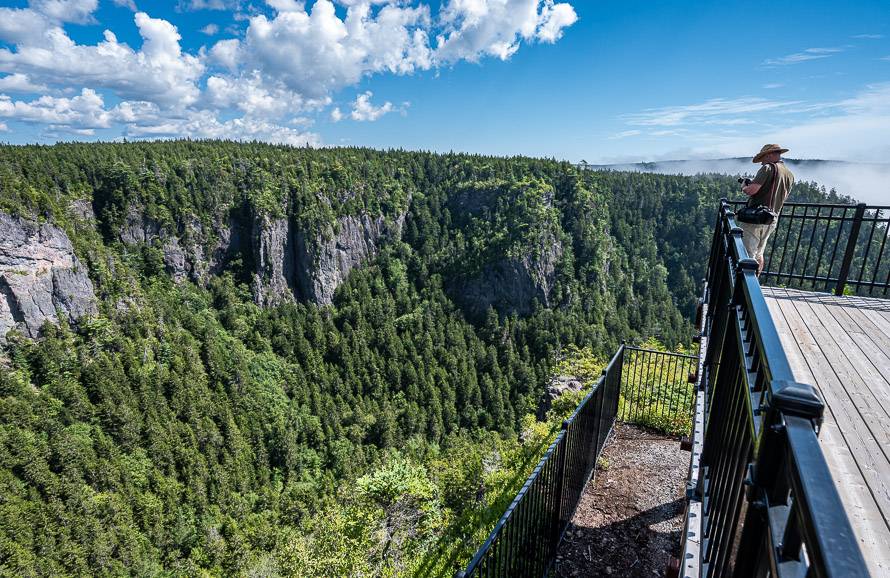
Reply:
x=159, y=72
x=85, y=111
x=364, y=110
x=255, y=97
x=22, y=25
x=554, y=19
x=477, y=28
x=316, y=52
x=286, y=5
x=79, y=11
x=19, y=82
x=287, y=60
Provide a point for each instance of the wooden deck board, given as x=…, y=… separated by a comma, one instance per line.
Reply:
x=871, y=361
x=877, y=330
x=844, y=405
x=842, y=346
x=885, y=315
x=853, y=371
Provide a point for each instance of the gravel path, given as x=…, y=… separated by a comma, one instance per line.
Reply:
x=629, y=520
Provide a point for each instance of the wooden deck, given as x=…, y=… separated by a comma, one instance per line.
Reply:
x=842, y=346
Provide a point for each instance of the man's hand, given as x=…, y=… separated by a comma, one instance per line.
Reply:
x=751, y=189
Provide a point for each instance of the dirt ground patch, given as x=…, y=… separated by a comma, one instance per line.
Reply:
x=629, y=520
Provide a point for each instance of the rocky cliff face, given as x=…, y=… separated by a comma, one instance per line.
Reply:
x=287, y=263
x=272, y=245
x=327, y=262
x=293, y=264
x=41, y=279
x=191, y=251
x=514, y=284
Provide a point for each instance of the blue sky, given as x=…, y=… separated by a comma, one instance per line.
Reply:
x=603, y=82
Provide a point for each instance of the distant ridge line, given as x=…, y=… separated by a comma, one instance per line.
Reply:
x=790, y=161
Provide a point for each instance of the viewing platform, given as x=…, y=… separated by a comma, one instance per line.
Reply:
x=841, y=345
x=789, y=473
x=827, y=287
x=791, y=467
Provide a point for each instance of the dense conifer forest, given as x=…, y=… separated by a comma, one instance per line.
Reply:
x=207, y=421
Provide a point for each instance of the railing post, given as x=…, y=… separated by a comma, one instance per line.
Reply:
x=850, y=250
x=767, y=481
x=600, y=416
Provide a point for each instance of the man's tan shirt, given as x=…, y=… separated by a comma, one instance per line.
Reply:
x=765, y=180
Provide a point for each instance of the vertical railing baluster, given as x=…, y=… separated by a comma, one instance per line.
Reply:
x=837, y=242
x=850, y=251
x=887, y=280
x=785, y=246
x=822, y=248
x=560, y=483
x=864, y=266
x=659, y=385
x=803, y=220
x=806, y=259
x=874, y=277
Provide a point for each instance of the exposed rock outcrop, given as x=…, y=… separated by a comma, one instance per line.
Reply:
x=325, y=263
x=287, y=263
x=83, y=209
x=191, y=251
x=558, y=385
x=41, y=278
x=138, y=227
x=513, y=284
x=273, y=259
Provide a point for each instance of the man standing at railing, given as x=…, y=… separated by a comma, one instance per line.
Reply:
x=767, y=193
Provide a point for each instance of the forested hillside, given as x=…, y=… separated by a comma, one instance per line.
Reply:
x=280, y=360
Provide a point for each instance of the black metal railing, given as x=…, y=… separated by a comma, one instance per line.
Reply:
x=525, y=539
x=830, y=247
x=767, y=501
x=656, y=390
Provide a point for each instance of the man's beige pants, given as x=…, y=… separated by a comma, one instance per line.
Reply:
x=755, y=237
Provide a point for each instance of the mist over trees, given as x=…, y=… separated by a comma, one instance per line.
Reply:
x=866, y=182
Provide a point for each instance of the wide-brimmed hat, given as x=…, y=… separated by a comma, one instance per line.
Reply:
x=768, y=148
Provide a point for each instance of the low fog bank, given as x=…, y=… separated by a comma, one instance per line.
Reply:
x=865, y=182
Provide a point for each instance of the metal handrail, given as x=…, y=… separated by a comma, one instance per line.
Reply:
x=830, y=247
x=525, y=540
x=658, y=370
x=765, y=499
